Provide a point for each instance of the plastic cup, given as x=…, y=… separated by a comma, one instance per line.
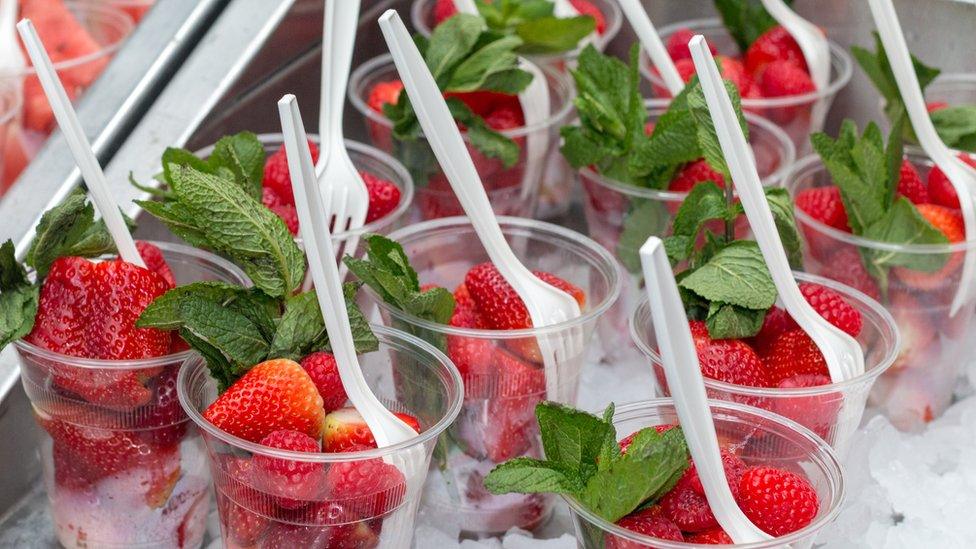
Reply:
x=832, y=411
x=954, y=89
x=934, y=344
x=501, y=384
x=792, y=113
x=9, y=110
x=408, y=375
x=108, y=27
x=136, y=9
x=119, y=475
x=513, y=191
x=760, y=438
x=621, y=216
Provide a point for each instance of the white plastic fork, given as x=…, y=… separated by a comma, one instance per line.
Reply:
x=80, y=148
x=387, y=429
x=652, y=44
x=843, y=354
x=12, y=62
x=961, y=175
x=346, y=197
x=683, y=372
x=546, y=304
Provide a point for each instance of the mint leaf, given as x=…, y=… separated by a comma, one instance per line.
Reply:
x=18, y=308
x=243, y=155
x=549, y=35
x=178, y=220
x=491, y=143
x=644, y=218
x=726, y=321
x=301, y=330
x=957, y=126
x=60, y=228
x=705, y=202
x=746, y=20
x=528, y=476
x=495, y=57
x=708, y=142
x=737, y=275
x=781, y=205
x=903, y=224
x=450, y=43
x=12, y=273
x=230, y=333
x=571, y=437
x=165, y=313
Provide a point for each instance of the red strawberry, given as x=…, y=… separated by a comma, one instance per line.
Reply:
x=273, y=395
x=778, y=502
x=694, y=173
x=817, y=413
x=775, y=323
x=497, y=301
x=648, y=522
x=794, y=353
x=95, y=453
x=710, y=537
x=327, y=525
x=686, y=69
x=443, y=10
x=346, y=430
x=155, y=262
x=688, y=509
x=734, y=467
x=678, y=44
x=728, y=360
x=834, y=308
x=783, y=79
x=825, y=205
x=293, y=483
x=776, y=44
x=733, y=71
x=910, y=184
x=386, y=93
x=163, y=423
x=936, y=106
x=276, y=174
x=289, y=215
x=951, y=224
x=915, y=327
x=941, y=190
x=244, y=527
x=366, y=488
x=324, y=371
x=585, y=7
x=505, y=118
x=384, y=196
x=845, y=266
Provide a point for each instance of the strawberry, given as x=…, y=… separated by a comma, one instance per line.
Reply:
x=97, y=452
x=950, y=223
x=733, y=466
x=677, y=44
x=686, y=70
x=345, y=429
x=276, y=174
x=778, y=502
x=443, y=10
x=273, y=395
x=155, y=262
x=918, y=333
x=728, y=360
x=500, y=306
x=328, y=525
x=932, y=106
x=648, y=522
x=910, y=184
x=163, y=423
x=386, y=93
x=794, y=353
x=776, y=44
x=585, y=7
x=293, y=483
x=688, y=509
x=825, y=205
x=694, y=173
x=505, y=118
x=324, y=371
x=243, y=527
x=289, y=215
x=365, y=488
x=941, y=190
x=817, y=413
x=775, y=323
x=715, y=536
x=834, y=308
x=733, y=71
x=784, y=78
x=845, y=266
x=384, y=196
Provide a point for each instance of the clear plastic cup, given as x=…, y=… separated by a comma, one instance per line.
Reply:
x=502, y=384
x=408, y=375
x=512, y=191
x=621, y=216
x=832, y=411
x=136, y=9
x=119, y=474
x=954, y=89
x=934, y=344
x=759, y=438
x=108, y=27
x=792, y=113
x=9, y=111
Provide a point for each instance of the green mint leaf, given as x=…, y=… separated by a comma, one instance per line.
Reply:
x=488, y=142
x=12, y=273
x=737, y=274
x=181, y=157
x=179, y=220
x=529, y=476
x=164, y=312
x=903, y=224
x=610, y=449
x=957, y=126
x=726, y=321
x=711, y=149
x=571, y=437
x=644, y=218
x=549, y=35
x=233, y=335
x=239, y=226
x=674, y=142
x=450, y=43
x=301, y=330
x=60, y=228
x=746, y=20
x=781, y=205
x=584, y=148
x=160, y=193
x=18, y=308
x=220, y=368
x=243, y=155
x=705, y=202
x=494, y=57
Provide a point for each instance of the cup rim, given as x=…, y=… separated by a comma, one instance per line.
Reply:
x=658, y=106
x=826, y=457
x=363, y=70
x=811, y=163
x=401, y=172
x=612, y=14
x=105, y=13
x=390, y=336
x=840, y=60
x=954, y=78
x=10, y=91
x=141, y=363
x=869, y=375
x=546, y=229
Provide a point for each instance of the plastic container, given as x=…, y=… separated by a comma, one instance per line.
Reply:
x=758, y=437
x=934, y=344
x=512, y=191
x=501, y=386
x=108, y=26
x=792, y=113
x=407, y=375
x=955, y=89
x=10, y=105
x=122, y=476
x=832, y=411
x=136, y=9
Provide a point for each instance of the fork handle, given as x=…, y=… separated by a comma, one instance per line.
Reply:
x=338, y=39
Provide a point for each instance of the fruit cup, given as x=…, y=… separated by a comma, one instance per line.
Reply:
x=136, y=9
x=81, y=37
x=512, y=190
x=9, y=111
x=957, y=89
x=831, y=411
x=501, y=386
x=123, y=465
x=622, y=216
x=758, y=437
x=328, y=504
x=934, y=344
x=792, y=113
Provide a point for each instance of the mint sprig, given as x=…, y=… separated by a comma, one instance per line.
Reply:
x=464, y=56
x=746, y=20
x=583, y=460
x=534, y=23
x=18, y=297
